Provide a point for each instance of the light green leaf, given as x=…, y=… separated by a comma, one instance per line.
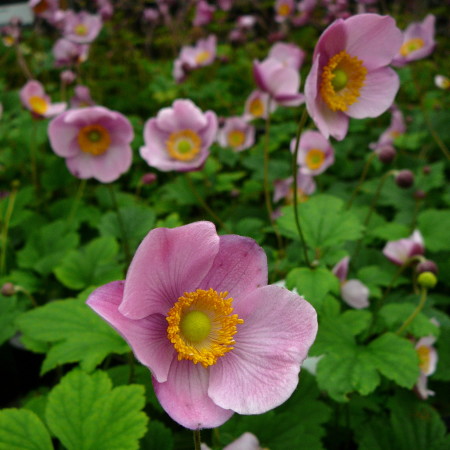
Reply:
x=434, y=225
x=84, y=412
x=75, y=332
x=21, y=429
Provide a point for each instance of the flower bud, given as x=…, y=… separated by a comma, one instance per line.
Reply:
x=386, y=154
x=419, y=194
x=149, y=178
x=8, y=289
x=67, y=77
x=427, y=266
x=404, y=179
x=427, y=280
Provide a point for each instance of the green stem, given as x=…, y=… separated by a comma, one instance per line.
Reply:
x=361, y=179
x=126, y=246
x=76, y=202
x=4, y=235
x=301, y=125
x=33, y=157
x=423, y=299
x=197, y=440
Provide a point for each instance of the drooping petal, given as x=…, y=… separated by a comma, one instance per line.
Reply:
x=355, y=294
x=185, y=398
x=261, y=372
x=239, y=267
x=168, y=263
x=341, y=268
x=147, y=337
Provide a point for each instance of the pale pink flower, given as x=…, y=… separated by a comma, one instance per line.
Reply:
x=285, y=188
x=67, y=77
x=353, y=292
x=315, y=153
x=11, y=33
x=418, y=42
x=256, y=106
x=105, y=9
x=150, y=15
x=82, y=27
x=236, y=133
x=246, y=22
x=44, y=8
x=428, y=359
x=196, y=310
x=34, y=98
x=349, y=76
x=247, y=441
x=68, y=53
x=289, y=54
x=442, y=82
x=203, y=13
x=225, y=4
x=400, y=251
x=396, y=128
x=95, y=142
x=179, y=137
x=82, y=97
x=284, y=9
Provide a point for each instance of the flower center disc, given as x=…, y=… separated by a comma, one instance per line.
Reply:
x=424, y=358
x=315, y=158
x=202, y=57
x=184, y=145
x=201, y=326
x=256, y=107
x=38, y=104
x=284, y=10
x=411, y=46
x=342, y=79
x=235, y=138
x=81, y=29
x=94, y=139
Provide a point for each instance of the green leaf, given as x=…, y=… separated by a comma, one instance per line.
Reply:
x=434, y=225
x=21, y=429
x=313, y=284
x=356, y=320
x=395, y=358
x=10, y=309
x=390, y=231
x=47, y=247
x=93, y=265
x=324, y=222
x=75, y=332
x=84, y=412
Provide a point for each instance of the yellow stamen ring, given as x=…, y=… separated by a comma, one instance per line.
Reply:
x=256, y=107
x=236, y=138
x=424, y=358
x=184, y=145
x=38, y=104
x=315, y=158
x=202, y=57
x=284, y=10
x=342, y=79
x=94, y=139
x=201, y=326
x=411, y=46
x=81, y=29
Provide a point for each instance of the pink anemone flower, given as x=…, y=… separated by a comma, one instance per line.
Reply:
x=95, y=142
x=237, y=134
x=315, y=153
x=289, y=54
x=349, y=76
x=396, y=128
x=353, y=292
x=196, y=310
x=418, y=42
x=81, y=27
x=256, y=106
x=179, y=137
x=284, y=9
x=400, y=251
x=203, y=13
x=428, y=359
x=34, y=98
x=68, y=53
x=82, y=97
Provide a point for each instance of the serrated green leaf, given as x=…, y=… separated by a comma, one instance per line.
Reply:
x=21, y=429
x=356, y=320
x=75, y=333
x=93, y=265
x=395, y=358
x=434, y=225
x=84, y=412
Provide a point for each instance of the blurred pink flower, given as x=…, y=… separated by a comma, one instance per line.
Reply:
x=203, y=13
x=105, y=9
x=44, y=8
x=396, y=128
x=246, y=22
x=349, y=76
x=67, y=77
x=68, y=53
x=284, y=9
x=95, y=142
x=289, y=54
x=256, y=106
x=418, y=42
x=196, y=310
x=34, y=98
x=150, y=15
x=11, y=33
x=236, y=133
x=82, y=97
x=353, y=292
x=285, y=188
x=247, y=441
x=179, y=137
x=225, y=4
x=315, y=153
x=81, y=27
x=400, y=251
x=428, y=359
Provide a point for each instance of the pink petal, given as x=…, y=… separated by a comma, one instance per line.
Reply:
x=61, y=136
x=55, y=108
x=261, y=372
x=377, y=94
x=373, y=39
x=285, y=80
x=209, y=132
x=332, y=40
x=355, y=294
x=341, y=268
x=147, y=337
x=184, y=115
x=290, y=99
x=239, y=267
x=184, y=397
x=247, y=441
x=168, y=263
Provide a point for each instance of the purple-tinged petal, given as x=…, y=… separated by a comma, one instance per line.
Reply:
x=341, y=268
x=261, y=372
x=290, y=99
x=377, y=94
x=168, y=263
x=239, y=267
x=55, y=108
x=62, y=136
x=147, y=337
x=355, y=294
x=332, y=40
x=285, y=80
x=184, y=396
x=183, y=115
x=209, y=132
x=247, y=441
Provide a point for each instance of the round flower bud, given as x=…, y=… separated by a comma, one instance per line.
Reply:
x=419, y=194
x=8, y=289
x=149, y=178
x=427, y=266
x=404, y=179
x=386, y=154
x=427, y=280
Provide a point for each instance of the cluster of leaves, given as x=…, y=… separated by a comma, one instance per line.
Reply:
x=72, y=378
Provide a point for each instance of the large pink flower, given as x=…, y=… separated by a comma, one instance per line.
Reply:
x=179, y=137
x=196, y=310
x=34, y=98
x=349, y=76
x=95, y=142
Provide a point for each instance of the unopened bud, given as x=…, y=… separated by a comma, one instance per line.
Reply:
x=8, y=289
x=149, y=178
x=427, y=280
x=404, y=179
x=386, y=154
x=427, y=266
x=419, y=194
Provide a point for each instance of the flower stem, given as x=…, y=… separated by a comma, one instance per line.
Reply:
x=76, y=202
x=423, y=299
x=197, y=440
x=33, y=157
x=361, y=179
x=301, y=125
x=5, y=227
